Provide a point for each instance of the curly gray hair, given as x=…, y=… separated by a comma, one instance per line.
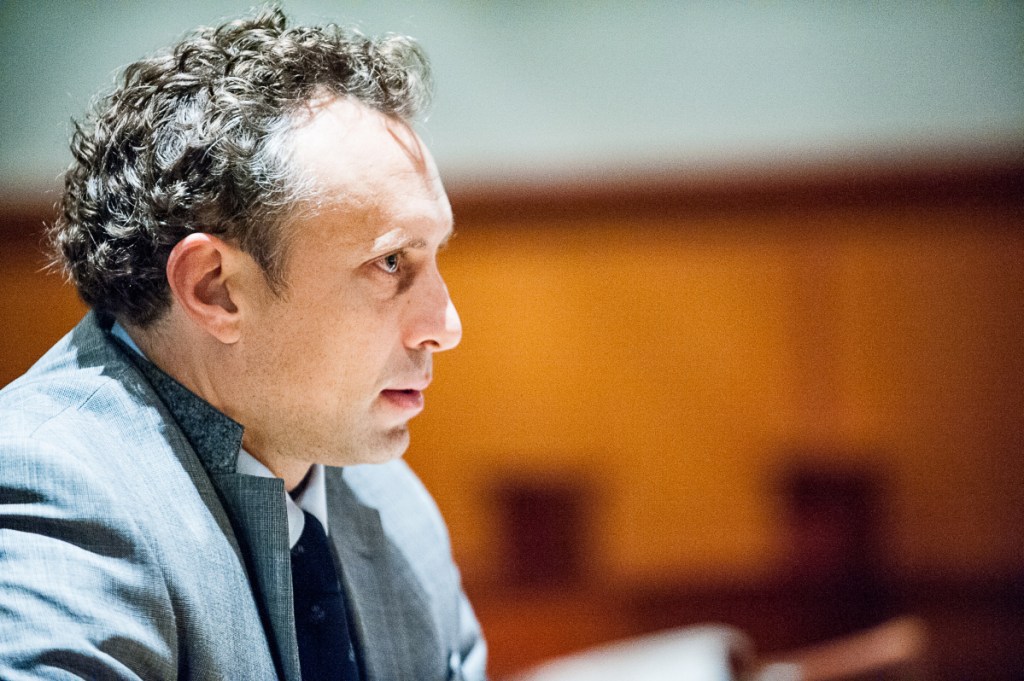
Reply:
x=195, y=139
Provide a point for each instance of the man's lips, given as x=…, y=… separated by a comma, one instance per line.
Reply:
x=407, y=399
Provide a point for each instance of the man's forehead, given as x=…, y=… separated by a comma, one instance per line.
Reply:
x=343, y=139
x=375, y=186
x=350, y=152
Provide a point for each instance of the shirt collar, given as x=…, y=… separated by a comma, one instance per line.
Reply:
x=312, y=498
x=121, y=333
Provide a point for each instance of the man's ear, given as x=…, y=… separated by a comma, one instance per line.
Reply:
x=202, y=273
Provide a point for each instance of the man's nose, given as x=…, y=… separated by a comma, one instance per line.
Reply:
x=435, y=324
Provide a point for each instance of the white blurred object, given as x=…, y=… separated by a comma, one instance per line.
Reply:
x=721, y=653
x=705, y=653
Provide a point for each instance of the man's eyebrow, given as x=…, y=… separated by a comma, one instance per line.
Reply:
x=396, y=240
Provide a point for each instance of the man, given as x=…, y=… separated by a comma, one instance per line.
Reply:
x=203, y=479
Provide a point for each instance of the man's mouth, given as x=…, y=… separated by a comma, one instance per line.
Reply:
x=404, y=399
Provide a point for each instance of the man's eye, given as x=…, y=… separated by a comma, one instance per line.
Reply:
x=391, y=263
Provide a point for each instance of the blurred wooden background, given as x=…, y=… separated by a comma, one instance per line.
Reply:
x=789, y=401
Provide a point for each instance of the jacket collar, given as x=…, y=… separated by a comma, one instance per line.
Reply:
x=215, y=436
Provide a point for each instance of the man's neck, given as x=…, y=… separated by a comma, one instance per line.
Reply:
x=180, y=356
x=194, y=362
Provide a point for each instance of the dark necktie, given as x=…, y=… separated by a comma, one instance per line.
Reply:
x=326, y=649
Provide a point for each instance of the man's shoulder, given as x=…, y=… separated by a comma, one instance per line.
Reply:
x=77, y=420
x=83, y=380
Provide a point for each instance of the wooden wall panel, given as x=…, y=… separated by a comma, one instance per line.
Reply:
x=678, y=354
x=932, y=333
x=36, y=307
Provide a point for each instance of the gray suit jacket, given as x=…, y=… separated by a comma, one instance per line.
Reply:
x=130, y=548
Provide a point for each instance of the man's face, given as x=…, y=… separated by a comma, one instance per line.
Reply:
x=336, y=367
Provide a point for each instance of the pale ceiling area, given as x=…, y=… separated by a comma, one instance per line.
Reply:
x=530, y=91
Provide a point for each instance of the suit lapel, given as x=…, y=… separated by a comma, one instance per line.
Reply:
x=392, y=617
x=257, y=509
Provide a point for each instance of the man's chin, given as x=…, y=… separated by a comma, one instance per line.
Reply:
x=372, y=448
x=387, y=446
